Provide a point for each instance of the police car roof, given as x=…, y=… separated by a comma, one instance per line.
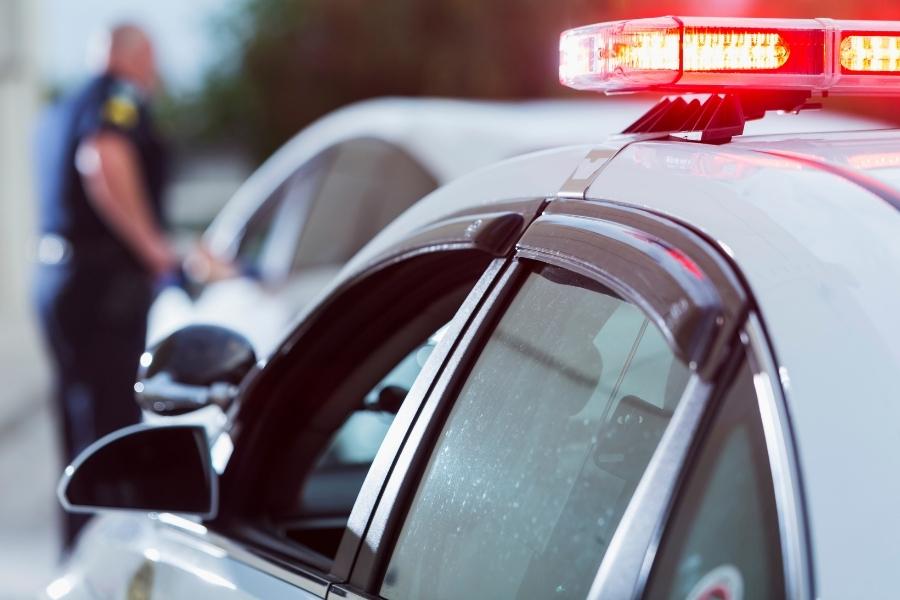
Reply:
x=821, y=255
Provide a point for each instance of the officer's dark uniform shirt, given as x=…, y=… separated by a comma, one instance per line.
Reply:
x=104, y=103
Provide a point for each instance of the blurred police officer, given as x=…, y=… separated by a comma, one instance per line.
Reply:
x=100, y=176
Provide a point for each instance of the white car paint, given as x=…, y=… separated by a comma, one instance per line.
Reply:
x=822, y=258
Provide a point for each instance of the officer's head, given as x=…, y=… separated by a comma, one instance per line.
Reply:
x=126, y=51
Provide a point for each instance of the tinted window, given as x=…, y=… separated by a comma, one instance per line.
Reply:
x=330, y=489
x=336, y=401
x=722, y=540
x=368, y=183
x=257, y=232
x=542, y=450
x=269, y=238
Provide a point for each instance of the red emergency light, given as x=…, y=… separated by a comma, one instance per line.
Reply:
x=707, y=54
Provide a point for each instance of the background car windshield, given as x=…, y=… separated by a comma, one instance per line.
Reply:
x=330, y=207
x=542, y=451
x=368, y=184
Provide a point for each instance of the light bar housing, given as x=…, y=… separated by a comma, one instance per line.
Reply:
x=714, y=54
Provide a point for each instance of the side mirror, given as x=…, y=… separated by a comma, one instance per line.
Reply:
x=194, y=367
x=144, y=468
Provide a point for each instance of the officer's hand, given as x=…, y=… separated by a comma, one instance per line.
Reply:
x=203, y=266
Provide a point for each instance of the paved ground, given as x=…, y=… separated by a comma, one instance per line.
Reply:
x=28, y=465
x=28, y=470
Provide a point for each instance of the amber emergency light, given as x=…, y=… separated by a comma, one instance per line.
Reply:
x=704, y=54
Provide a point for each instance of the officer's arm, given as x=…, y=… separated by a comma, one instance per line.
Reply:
x=109, y=166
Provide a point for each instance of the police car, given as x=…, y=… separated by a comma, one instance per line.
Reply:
x=666, y=367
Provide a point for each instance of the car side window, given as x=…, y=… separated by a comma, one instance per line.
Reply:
x=268, y=241
x=368, y=184
x=722, y=539
x=548, y=438
x=329, y=491
x=338, y=396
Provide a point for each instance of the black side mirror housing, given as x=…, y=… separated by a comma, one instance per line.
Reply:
x=193, y=367
x=144, y=468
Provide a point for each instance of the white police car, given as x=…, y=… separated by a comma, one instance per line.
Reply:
x=666, y=369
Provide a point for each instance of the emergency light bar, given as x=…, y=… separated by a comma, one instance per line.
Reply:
x=706, y=54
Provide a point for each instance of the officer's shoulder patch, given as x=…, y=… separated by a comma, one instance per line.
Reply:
x=121, y=110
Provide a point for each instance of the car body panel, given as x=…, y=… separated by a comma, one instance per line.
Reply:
x=135, y=556
x=820, y=256
x=241, y=304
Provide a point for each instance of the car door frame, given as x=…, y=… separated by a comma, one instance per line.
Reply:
x=492, y=230
x=581, y=236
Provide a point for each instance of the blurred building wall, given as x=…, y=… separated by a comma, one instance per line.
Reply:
x=20, y=359
x=18, y=102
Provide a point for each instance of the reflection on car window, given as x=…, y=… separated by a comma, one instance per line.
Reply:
x=256, y=233
x=332, y=486
x=723, y=534
x=542, y=451
x=267, y=242
x=358, y=440
x=368, y=184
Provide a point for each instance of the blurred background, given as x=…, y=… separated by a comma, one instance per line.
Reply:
x=241, y=77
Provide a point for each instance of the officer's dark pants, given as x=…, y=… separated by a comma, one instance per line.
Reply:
x=94, y=317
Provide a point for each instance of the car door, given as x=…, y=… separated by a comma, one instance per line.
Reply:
x=310, y=423
x=599, y=384
x=344, y=386
x=299, y=237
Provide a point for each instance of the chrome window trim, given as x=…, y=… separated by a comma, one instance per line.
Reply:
x=785, y=470
x=622, y=570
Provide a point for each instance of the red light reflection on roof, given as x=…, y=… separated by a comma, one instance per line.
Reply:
x=689, y=265
x=875, y=160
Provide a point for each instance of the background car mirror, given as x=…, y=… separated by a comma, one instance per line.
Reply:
x=193, y=367
x=144, y=468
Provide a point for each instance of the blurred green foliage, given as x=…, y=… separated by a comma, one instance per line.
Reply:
x=287, y=62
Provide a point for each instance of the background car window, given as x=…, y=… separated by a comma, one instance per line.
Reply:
x=338, y=394
x=368, y=184
x=268, y=242
x=722, y=540
x=257, y=231
x=542, y=450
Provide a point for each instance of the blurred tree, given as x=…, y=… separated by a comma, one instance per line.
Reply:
x=288, y=62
